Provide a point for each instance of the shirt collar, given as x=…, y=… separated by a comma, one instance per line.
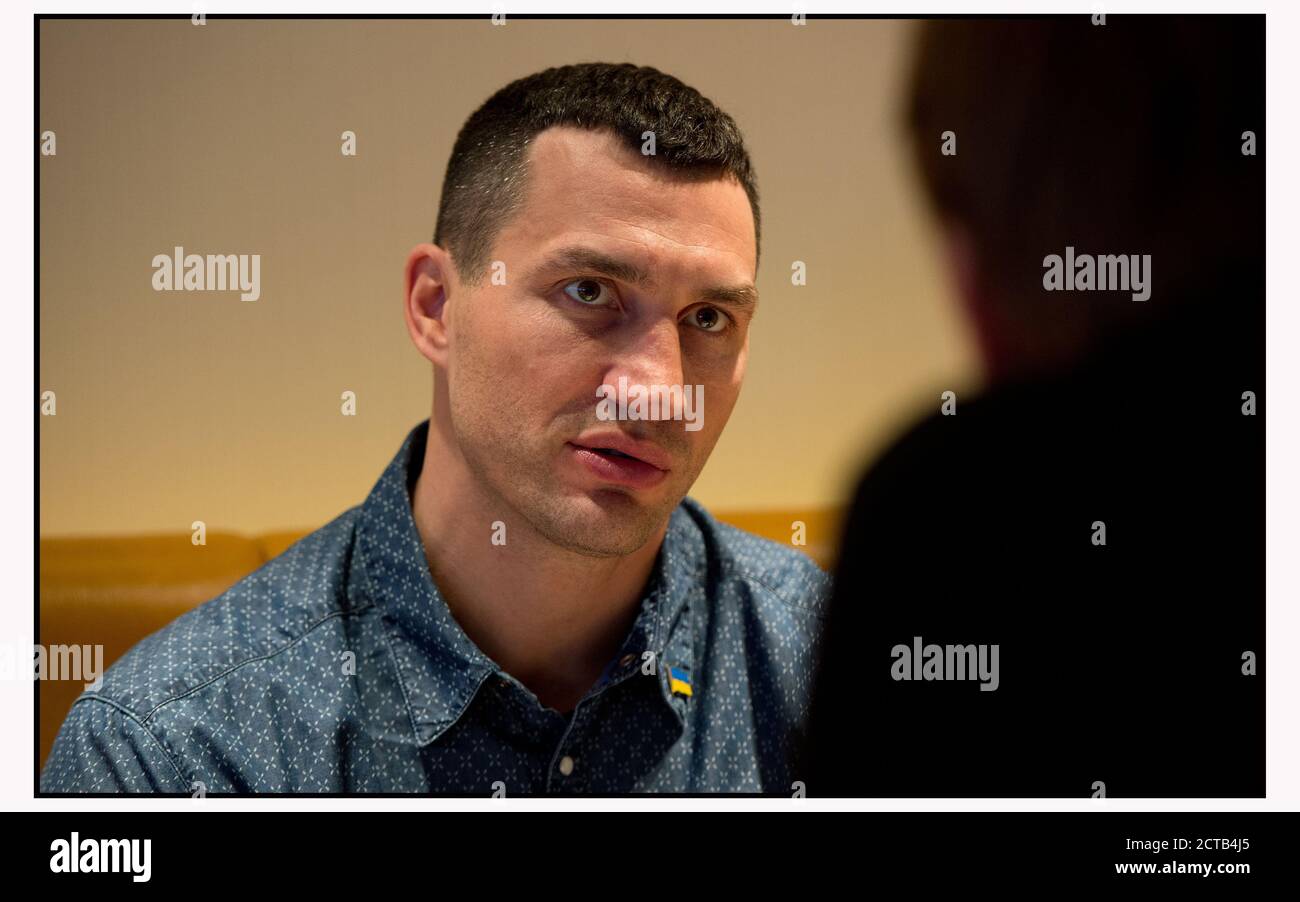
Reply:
x=440, y=667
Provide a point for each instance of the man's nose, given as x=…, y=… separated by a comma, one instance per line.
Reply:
x=651, y=356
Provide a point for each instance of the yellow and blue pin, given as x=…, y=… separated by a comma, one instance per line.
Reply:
x=679, y=681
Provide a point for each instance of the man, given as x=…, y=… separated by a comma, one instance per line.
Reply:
x=526, y=602
x=1056, y=589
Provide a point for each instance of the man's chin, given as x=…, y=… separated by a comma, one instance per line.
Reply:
x=605, y=523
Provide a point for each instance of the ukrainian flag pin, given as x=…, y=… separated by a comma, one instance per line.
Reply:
x=679, y=681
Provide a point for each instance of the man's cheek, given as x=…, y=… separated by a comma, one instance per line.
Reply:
x=720, y=401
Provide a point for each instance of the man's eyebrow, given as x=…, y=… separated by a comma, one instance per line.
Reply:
x=740, y=297
x=594, y=261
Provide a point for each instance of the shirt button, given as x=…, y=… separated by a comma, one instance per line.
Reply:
x=566, y=765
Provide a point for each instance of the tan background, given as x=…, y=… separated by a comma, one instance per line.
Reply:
x=224, y=139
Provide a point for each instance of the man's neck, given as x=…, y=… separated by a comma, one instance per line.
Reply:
x=550, y=617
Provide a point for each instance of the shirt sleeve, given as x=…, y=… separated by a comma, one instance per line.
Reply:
x=104, y=748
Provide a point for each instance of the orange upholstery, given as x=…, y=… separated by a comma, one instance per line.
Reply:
x=115, y=591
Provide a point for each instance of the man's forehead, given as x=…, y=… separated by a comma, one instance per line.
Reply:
x=588, y=182
x=568, y=151
x=562, y=144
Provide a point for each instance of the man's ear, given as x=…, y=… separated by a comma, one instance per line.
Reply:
x=430, y=277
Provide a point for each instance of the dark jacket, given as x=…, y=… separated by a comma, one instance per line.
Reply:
x=1119, y=664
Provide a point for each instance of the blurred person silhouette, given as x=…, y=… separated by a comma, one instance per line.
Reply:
x=1123, y=668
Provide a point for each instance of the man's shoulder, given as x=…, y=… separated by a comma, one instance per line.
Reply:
x=766, y=568
x=262, y=615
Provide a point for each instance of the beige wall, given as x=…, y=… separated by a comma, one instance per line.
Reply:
x=175, y=407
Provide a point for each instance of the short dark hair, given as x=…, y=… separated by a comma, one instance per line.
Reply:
x=486, y=175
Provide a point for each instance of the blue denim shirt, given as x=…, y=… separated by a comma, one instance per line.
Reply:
x=338, y=667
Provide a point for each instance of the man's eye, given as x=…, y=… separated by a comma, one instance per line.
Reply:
x=589, y=293
x=710, y=319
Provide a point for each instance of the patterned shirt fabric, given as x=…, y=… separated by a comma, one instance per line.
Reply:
x=337, y=667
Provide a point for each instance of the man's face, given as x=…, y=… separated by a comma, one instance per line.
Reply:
x=525, y=359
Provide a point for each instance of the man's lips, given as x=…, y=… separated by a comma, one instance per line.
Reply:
x=615, y=469
x=625, y=446
x=619, y=460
